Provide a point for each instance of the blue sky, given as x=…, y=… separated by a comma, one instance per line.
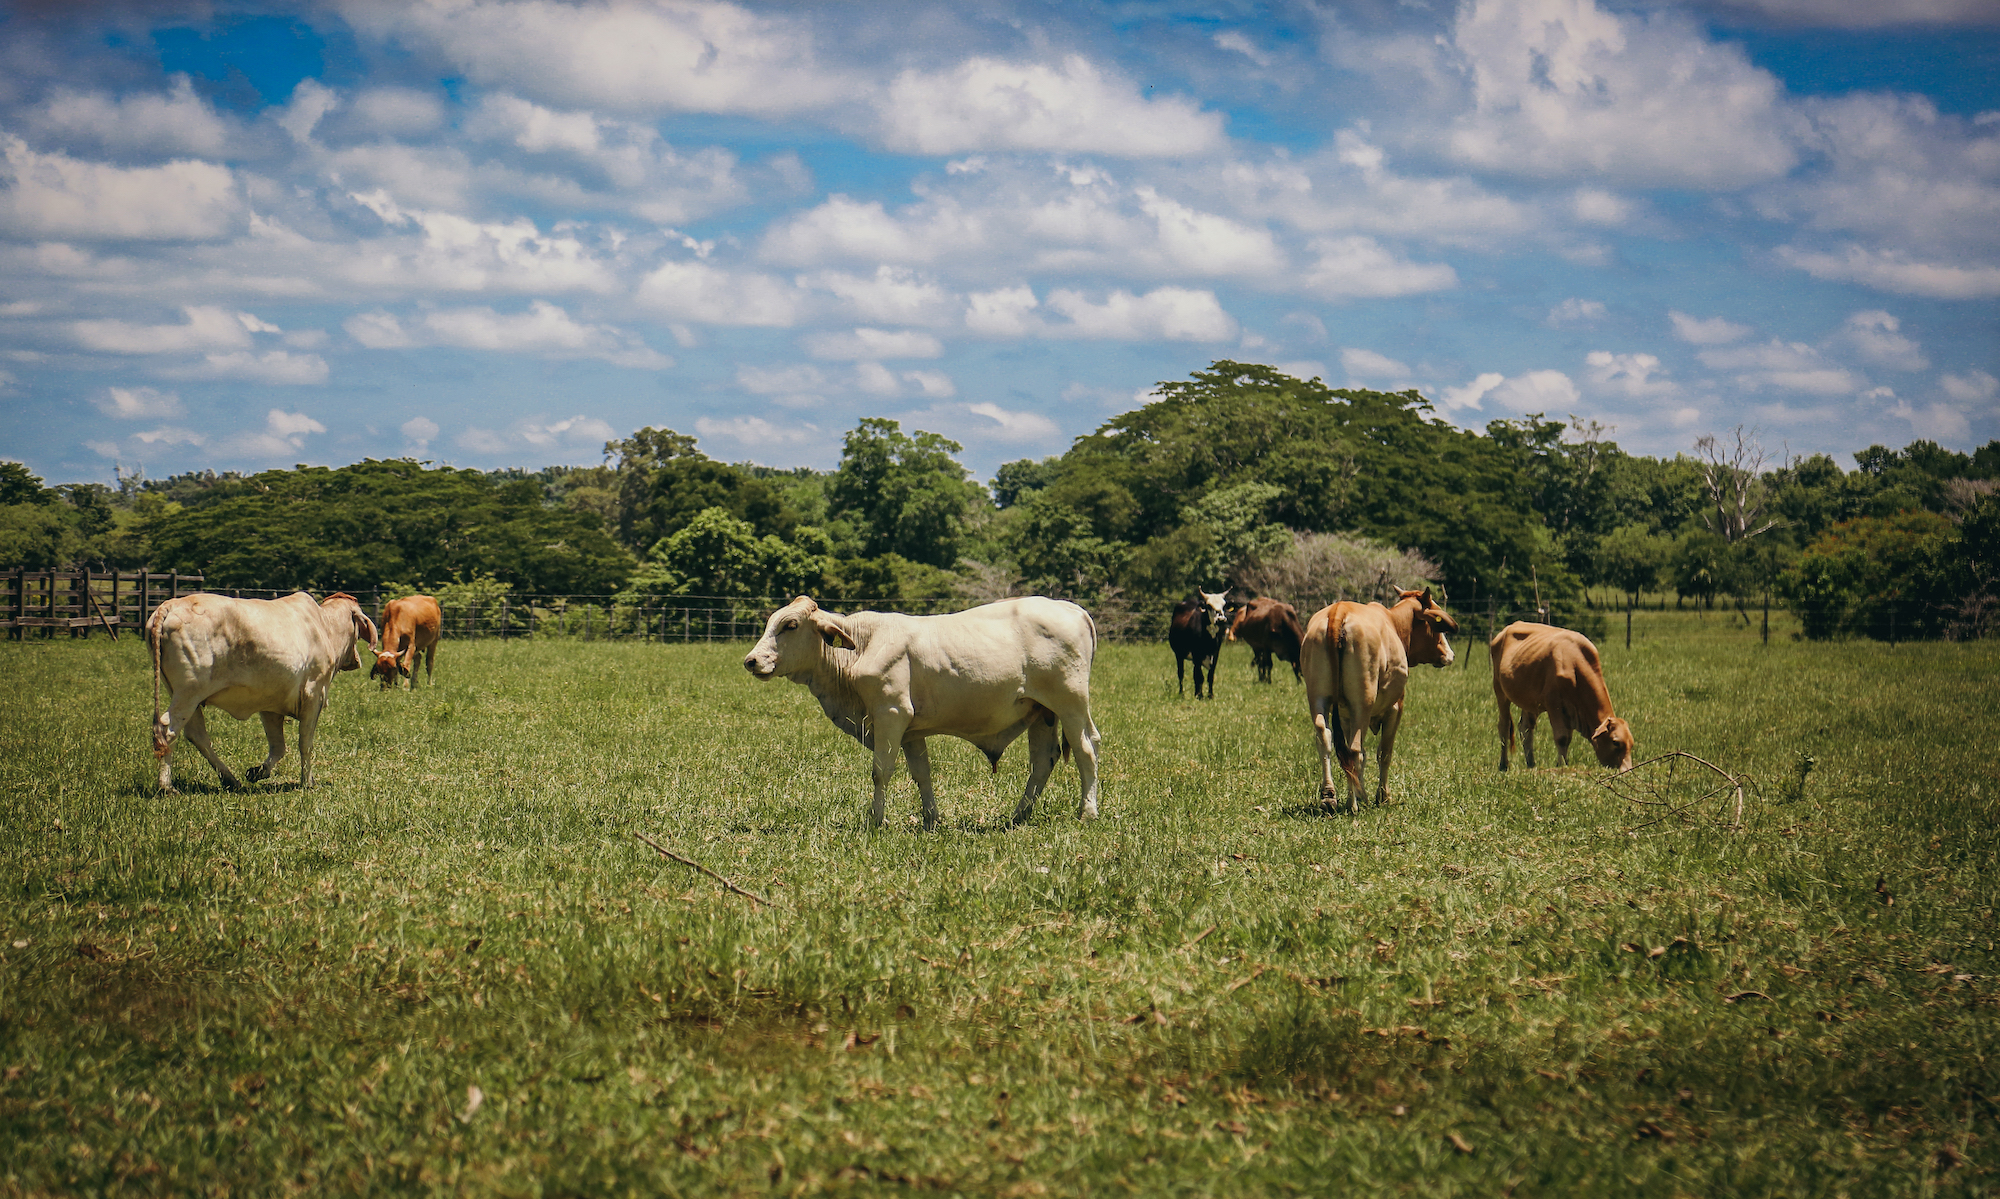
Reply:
x=500, y=232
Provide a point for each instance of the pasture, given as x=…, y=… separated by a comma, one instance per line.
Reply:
x=450, y=967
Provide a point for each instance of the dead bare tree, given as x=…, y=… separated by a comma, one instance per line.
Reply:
x=1733, y=476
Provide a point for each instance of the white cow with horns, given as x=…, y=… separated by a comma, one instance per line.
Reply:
x=276, y=658
x=985, y=675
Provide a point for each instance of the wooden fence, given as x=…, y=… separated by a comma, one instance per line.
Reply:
x=78, y=601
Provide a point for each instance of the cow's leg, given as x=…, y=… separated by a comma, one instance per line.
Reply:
x=430, y=663
x=916, y=752
x=308, y=724
x=1385, y=748
x=1044, y=747
x=1212, y=659
x=197, y=734
x=889, y=729
x=1326, y=726
x=1081, y=731
x=1528, y=736
x=1506, y=729
x=1559, y=731
x=1180, y=674
x=1354, y=762
x=274, y=736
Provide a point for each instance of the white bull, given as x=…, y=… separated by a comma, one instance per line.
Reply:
x=985, y=675
x=276, y=658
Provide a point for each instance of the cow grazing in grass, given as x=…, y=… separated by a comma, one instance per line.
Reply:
x=1357, y=659
x=1540, y=668
x=276, y=658
x=410, y=626
x=985, y=675
x=1271, y=629
x=1200, y=623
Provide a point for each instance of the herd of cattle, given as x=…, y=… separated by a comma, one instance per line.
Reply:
x=985, y=675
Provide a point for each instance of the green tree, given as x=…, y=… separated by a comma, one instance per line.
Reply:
x=718, y=555
x=1865, y=576
x=1632, y=559
x=904, y=494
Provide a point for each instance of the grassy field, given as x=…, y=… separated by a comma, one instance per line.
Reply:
x=450, y=968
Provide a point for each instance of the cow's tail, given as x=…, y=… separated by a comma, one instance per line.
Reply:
x=1336, y=646
x=153, y=645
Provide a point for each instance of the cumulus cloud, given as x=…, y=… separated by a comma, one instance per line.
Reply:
x=544, y=329
x=1628, y=375
x=893, y=295
x=1367, y=364
x=1574, y=311
x=1536, y=391
x=1875, y=335
x=566, y=438
x=158, y=125
x=1163, y=314
x=421, y=431
x=284, y=434
x=700, y=293
x=1361, y=267
x=874, y=343
x=272, y=366
x=1784, y=366
x=1563, y=88
x=625, y=57
x=451, y=252
x=1709, y=331
x=876, y=379
x=1867, y=14
x=206, y=328
x=1972, y=387
x=1073, y=106
x=137, y=403
x=754, y=432
x=1938, y=422
x=1889, y=270
x=1469, y=395
x=54, y=195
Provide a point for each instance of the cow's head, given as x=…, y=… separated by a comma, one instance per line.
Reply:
x=340, y=604
x=1612, y=739
x=387, y=669
x=796, y=639
x=1429, y=623
x=1214, y=608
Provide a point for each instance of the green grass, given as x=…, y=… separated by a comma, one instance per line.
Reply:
x=249, y=993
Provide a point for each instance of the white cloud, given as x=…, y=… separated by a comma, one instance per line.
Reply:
x=206, y=328
x=311, y=101
x=703, y=294
x=1972, y=387
x=1360, y=267
x=893, y=295
x=1233, y=40
x=567, y=437
x=1785, y=366
x=627, y=57
x=284, y=434
x=1536, y=391
x=1876, y=336
x=1163, y=314
x=1628, y=375
x=274, y=366
x=421, y=431
x=1303, y=368
x=1868, y=14
x=177, y=122
x=1594, y=206
x=780, y=380
x=1005, y=312
x=457, y=253
x=754, y=432
x=1367, y=364
x=1563, y=88
x=1889, y=270
x=1472, y=393
x=169, y=435
x=1075, y=107
x=1710, y=331
x=1015, y=426
x=1574, y=311
x=137, y=403
x=394, y=112
x=874, y=343
x=377, y=330
x=54, y=195
x=543, y=329
x=1939, y=422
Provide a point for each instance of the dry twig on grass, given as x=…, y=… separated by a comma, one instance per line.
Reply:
x=1665, y=787
x=665, y=852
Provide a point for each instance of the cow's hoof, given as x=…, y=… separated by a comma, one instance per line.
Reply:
x=258, y=774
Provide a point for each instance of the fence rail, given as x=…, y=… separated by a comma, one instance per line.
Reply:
x=76, y=602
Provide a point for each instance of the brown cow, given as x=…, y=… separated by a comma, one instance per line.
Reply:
x=1357, y=658
x=1541, y=668
x=410, y=626
x=1269, y=627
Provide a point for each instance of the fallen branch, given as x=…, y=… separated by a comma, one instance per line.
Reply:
x=668, y=853
x=1626, y=783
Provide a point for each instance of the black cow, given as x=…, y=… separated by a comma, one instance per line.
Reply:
x=1201, y=622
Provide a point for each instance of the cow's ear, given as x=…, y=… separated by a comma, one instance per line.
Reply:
x=832, y=630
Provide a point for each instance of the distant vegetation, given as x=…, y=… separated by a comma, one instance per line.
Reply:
x=1238, y=475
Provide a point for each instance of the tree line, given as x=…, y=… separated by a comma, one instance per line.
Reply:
x=1238, y=475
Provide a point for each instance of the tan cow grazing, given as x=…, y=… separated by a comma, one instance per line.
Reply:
x=1270, y=628
x=1540, y=668
x=410, y=626
x=985, y=675
x=276, y=658
x=1357, y=659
